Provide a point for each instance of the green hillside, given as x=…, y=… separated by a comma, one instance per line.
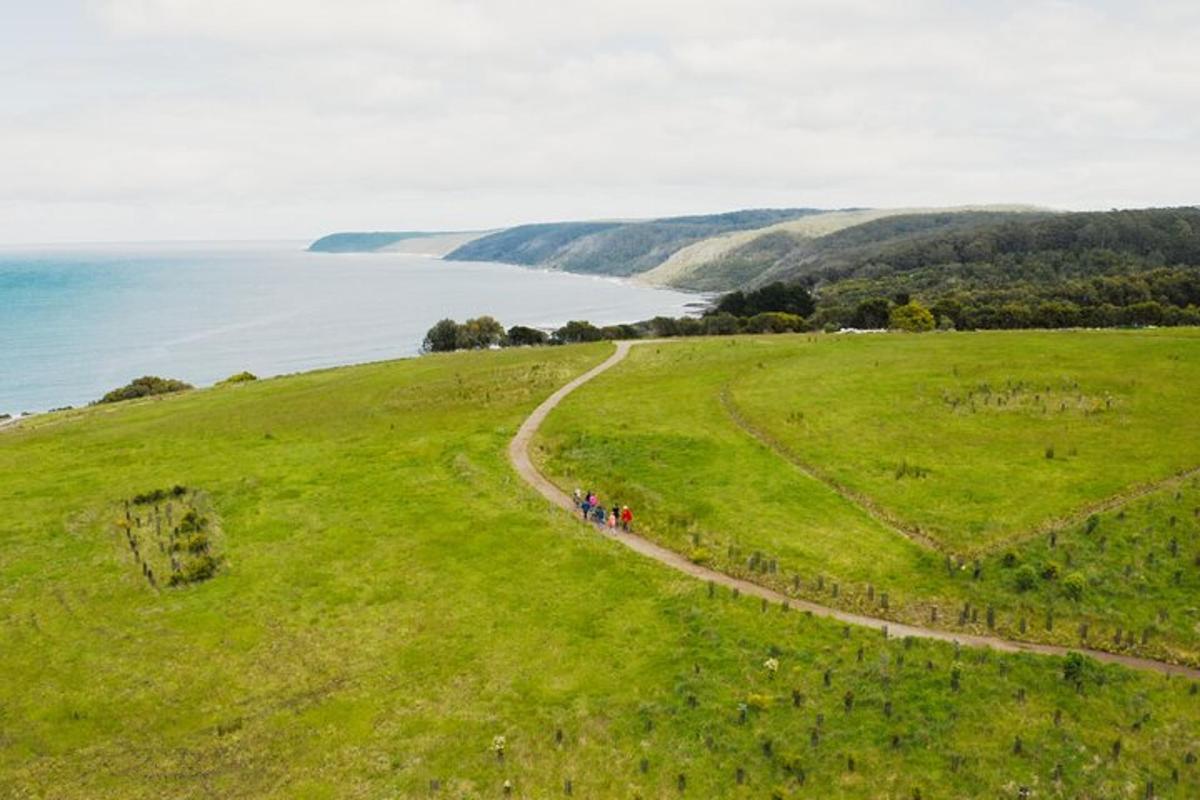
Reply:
x=612, y=248
x=392, y=613
x=930, y=470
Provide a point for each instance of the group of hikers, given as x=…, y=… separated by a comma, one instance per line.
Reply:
x=589, y=505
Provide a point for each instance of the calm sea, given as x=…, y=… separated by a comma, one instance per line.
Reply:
x=78, y=321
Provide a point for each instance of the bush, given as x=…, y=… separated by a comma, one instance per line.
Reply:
x=197, y=569
x=192, y=522
x=1010, y=559
x=1073, y=586
x=1025, y=578
x=774, y=322
x=521, y=336
x=912, y=317
x=720, y=324
x=664, y=327
x=240, y=377
x=1078, y=668
x=700, y=555
x=1050, y=571
x=145, y=386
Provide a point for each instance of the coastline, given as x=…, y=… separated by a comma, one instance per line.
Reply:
x=87, y=319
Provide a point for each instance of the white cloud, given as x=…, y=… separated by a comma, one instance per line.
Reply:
x=195, y=118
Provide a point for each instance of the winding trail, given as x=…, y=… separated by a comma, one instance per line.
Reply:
x=518, y=454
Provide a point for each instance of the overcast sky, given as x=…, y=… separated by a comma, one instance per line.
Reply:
x=213, y=119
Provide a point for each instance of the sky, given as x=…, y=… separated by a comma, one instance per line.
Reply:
x=126, y=120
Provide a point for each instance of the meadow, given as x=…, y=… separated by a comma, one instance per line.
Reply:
x=853, y=471
x=395, y=614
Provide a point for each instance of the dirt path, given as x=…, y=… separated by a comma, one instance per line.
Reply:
x=518, y=454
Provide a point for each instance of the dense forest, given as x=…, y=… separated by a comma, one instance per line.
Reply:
x=1087, y=269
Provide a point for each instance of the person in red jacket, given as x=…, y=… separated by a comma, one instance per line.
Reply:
x=626, y=518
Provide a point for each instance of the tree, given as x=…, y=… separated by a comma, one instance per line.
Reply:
x=664, y=326
x=871, y=314
x=577, y=331
x=912, y=317
x=446, y=335
x=778, y=296
x=482, y=332
x=521, y=336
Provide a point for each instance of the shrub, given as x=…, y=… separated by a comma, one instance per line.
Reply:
x=1010, y=559
x=720, y=324
x=240, y=377
x=1078, y=668
x=700, y=555
x=912, y=317
x=1050, y=571
x=664, y=326
x=145, y=386
x=774, y=322
x=197, y=569
x=1025, y=578
x=759, y=702
x=192, y=522
x=1073, y=586
x=613, y=332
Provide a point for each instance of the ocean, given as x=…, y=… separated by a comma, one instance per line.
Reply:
x=76, y=321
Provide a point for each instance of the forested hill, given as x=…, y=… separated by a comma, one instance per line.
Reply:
x=1089, y=268
x=613, y=248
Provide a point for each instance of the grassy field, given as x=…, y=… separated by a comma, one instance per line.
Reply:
x=390, y=599
x=878, y=416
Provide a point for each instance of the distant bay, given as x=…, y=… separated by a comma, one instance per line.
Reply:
x=76, y=321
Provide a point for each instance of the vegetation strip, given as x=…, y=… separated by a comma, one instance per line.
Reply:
x=1080, y=515
x=892, y=522
x=872, y=509
x=518, y=453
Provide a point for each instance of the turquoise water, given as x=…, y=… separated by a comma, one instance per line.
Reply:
x=78, y=321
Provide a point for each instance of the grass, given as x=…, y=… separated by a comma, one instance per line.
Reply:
x=391, y=598
x=869, y=412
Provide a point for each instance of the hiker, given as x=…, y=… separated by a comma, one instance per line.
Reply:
x=592, y=499
x=612, y=519
x=598, y=515
x=626, y=518
x=585, y=507
x=578, y=495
